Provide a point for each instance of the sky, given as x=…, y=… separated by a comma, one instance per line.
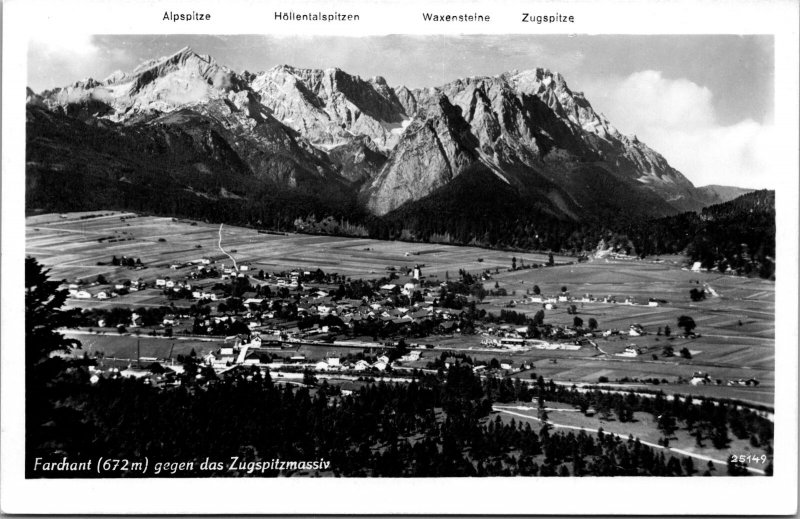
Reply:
x=704, y=102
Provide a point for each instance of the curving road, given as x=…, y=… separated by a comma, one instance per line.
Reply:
x=506, y=409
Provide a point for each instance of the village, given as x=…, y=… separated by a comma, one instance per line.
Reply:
x=261, y=321
x=173, y=286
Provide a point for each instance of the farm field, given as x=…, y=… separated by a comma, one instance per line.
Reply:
x=70, y=246
x=736, y=328
x=119, y=346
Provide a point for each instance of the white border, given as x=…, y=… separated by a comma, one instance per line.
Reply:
x=737, y=496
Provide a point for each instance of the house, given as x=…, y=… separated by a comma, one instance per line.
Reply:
x=361, y=365
x=630, y=351
x=380, y=365
x=410, y=356
x=700, y=378
x=252, y=358
x=161, y=282
x=409, y=288
x=348, y=388
x=321, y=366
x=83, y=294
x=134, y=373
x=170, y=320
x=447, y=325
x=102, y=295
x=512, y=342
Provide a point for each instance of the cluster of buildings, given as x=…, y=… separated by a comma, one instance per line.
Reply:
x=116, y=289
x=253, y=353
x=550, y=302
x=519, y=343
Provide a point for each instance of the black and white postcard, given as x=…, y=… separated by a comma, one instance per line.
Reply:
x=408, y=257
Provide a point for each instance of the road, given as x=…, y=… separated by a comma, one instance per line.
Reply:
x=507, y=409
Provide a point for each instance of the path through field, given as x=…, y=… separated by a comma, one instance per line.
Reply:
x=235, y=268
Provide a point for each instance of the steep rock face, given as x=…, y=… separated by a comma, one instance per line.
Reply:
x=531, y=125
x=32, y=98
x=511, y=126
x=625, y=156
x=435, y=148
x=161, y=85
x=407, y=100
x=273, y=153
x=331, y=107
x=359, y=160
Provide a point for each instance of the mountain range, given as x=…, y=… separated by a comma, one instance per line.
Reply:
x=187, y=130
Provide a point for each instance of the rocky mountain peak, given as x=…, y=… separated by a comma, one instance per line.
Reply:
x=526, y=129
x=330, y=106
x=117, y=76
x=181, y=56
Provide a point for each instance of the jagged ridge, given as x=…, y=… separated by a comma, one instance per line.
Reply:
x=304, y=129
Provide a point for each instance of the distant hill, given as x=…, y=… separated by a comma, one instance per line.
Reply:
x=738, y=235
x=716, y=194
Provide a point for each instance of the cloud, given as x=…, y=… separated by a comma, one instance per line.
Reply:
x=676, y=118
x=57, y=58
x=64, y=44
